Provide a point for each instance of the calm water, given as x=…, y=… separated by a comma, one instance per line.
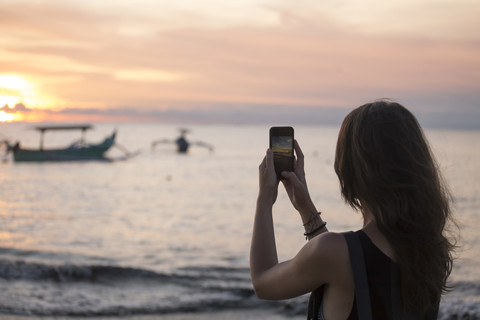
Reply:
x=164, y=232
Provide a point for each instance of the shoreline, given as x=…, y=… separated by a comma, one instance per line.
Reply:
x=213, y=315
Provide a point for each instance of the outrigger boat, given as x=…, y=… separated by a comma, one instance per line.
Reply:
x=78, y=151
x=182, y=143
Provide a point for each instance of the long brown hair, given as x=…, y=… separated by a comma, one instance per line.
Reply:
x=385, y=167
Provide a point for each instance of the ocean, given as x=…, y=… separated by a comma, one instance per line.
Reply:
x=166, y=235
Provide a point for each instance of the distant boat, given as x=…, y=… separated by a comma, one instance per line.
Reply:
x=78, y=151
x=182, y=143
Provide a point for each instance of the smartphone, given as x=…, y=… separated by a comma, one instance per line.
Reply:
x=281, y=143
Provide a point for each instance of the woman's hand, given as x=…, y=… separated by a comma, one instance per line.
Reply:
x=268, y=179
x=296, y=186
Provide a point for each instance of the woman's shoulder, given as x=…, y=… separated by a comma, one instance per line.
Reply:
x=330, y=250
x=330, y=241
x=330, y=247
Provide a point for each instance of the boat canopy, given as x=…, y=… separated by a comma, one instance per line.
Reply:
x=83, y=127
x=64, y=127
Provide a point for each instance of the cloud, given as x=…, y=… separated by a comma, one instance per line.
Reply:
x=148, y=75
x=253, y=114
x=239, y=113
x=430, y=19
x=19, y=107
x=214, y=114
x=270, y=66
x=95, y=55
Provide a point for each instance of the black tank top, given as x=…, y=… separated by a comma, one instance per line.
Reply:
x=379, y=273
x=379, y=276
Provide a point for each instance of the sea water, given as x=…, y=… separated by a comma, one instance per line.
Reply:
x=163, y=232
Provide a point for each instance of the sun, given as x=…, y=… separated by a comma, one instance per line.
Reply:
x=6, y=117
x=15, y=89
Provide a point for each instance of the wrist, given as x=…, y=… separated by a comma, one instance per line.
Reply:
x=315, y=231
x=265, y=203
x=265, y=199
x=314, y=226
x=309, y=214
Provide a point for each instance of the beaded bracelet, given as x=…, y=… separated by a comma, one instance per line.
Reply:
x=307, y=234
x=314, y=217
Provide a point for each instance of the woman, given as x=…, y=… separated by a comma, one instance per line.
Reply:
x=387, y=172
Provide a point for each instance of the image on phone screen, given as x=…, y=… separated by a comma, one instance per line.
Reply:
x=282, y=153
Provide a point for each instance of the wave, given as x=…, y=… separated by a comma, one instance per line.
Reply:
x=109, y=290
x=20, y=269
x=64, y=273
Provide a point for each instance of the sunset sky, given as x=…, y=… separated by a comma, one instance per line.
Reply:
x=237, y=60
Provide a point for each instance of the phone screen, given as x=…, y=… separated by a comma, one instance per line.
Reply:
x=281, y=143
